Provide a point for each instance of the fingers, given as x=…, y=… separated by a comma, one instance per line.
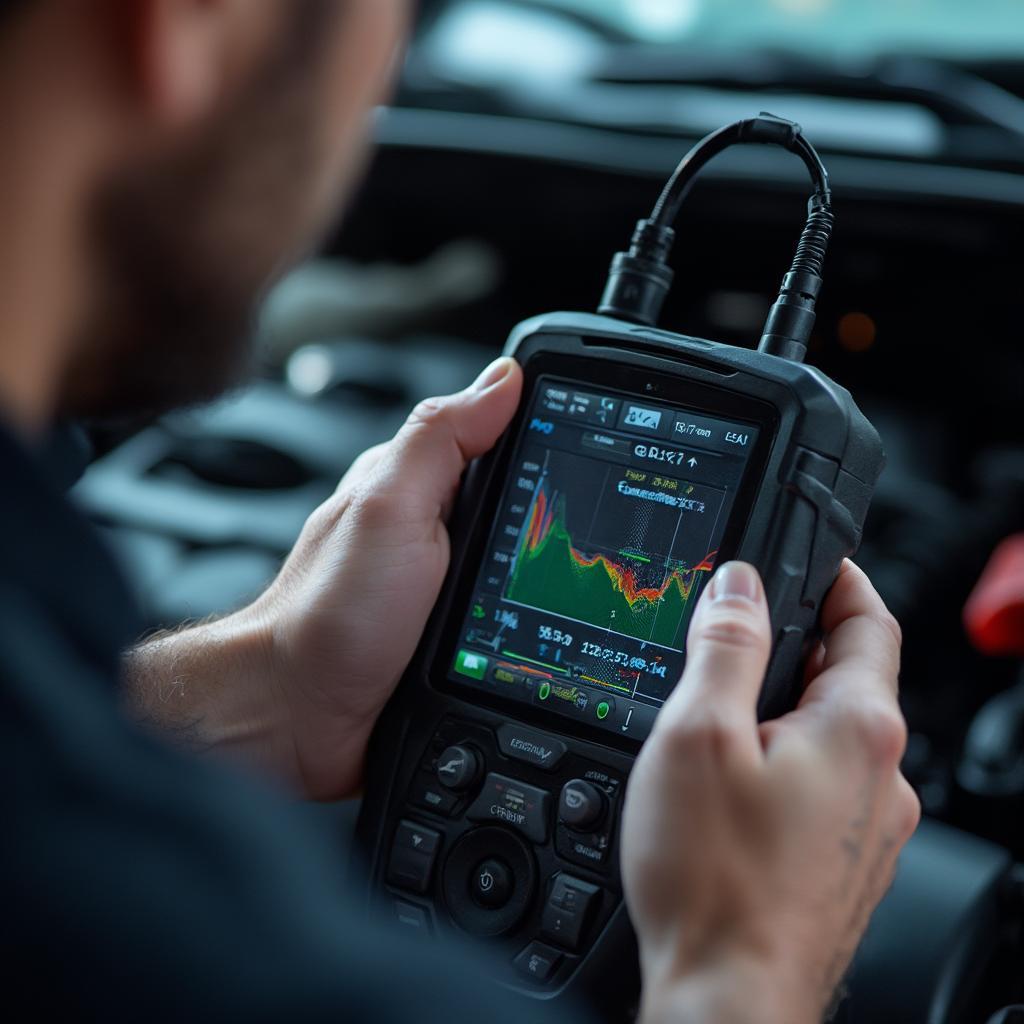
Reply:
x=859, y=628
x=860, y=661
x=850, y=708
x=727, y=654
x=440, y=438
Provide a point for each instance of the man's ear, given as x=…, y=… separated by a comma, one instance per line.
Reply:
x=188, y=56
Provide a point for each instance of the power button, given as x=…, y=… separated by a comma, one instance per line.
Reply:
x=491, y=883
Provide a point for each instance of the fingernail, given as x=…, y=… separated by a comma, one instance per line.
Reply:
x=497, y=371
x=736, y=579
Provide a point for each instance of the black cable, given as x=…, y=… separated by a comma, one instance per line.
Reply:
x=640, y=279
x=766, y=129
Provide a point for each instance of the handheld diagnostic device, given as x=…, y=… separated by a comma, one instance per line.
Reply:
x=639, y=461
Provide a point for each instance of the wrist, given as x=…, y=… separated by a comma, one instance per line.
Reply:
x=211, y=688
x=733, y=990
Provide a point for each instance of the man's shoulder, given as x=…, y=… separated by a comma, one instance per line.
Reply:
x=52, y=560
x=39, y=658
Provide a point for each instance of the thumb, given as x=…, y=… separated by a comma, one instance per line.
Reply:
x=727, y=654
x=442, y=435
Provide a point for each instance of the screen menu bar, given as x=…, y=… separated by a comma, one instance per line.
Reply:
x=649, y=420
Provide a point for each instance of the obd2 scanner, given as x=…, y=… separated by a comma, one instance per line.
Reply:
x=639, y=460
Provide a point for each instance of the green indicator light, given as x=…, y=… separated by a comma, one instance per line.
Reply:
x=545, y=691
x=469, y=664
x=603, y=710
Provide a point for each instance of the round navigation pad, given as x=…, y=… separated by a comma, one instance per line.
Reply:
x=482, y=862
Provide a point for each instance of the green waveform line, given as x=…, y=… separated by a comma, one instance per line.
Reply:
x=634, y=556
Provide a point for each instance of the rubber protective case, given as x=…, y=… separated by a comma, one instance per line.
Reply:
x=809, y=512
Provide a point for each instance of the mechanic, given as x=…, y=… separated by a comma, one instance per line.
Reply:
x=162, y=162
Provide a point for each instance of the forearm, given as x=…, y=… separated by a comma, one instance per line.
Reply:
x=207, y=688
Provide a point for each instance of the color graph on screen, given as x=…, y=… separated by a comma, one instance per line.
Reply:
x=640, y=591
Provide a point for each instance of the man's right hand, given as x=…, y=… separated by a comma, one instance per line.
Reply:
x=753, y=855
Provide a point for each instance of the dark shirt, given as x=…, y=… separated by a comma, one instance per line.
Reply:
x=144, y=884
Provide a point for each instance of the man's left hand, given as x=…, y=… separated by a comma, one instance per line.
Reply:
x=296, y=681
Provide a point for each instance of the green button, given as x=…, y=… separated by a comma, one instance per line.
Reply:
x=469, y=664
x=545, y=691
x=603, y=710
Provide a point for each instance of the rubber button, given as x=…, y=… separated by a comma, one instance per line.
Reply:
x=458, y=768
x=514, y=803
x=412, y=856
x=568, y=910
x=491, y=883
x=531, y=746
x=426, y=793
x=538, y=962
x=581, y=806
x=412, y=918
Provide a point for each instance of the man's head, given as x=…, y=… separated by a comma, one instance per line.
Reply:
x=215, y=141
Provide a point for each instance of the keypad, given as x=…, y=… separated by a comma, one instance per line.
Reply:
x=517, y=839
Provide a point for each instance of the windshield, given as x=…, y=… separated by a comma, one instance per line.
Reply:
x=922, y=79
x=947, y=28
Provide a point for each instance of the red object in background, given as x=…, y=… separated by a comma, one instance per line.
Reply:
x=994, y=613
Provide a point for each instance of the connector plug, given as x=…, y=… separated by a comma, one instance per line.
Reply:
x=639, y=280
x=787, y=331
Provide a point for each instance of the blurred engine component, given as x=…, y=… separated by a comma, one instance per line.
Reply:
x=994, y=614
x=350, y=371
x=1009, y=1015
x=992, y=764
x=337, y=298
x=203, y=505
x=938, y=939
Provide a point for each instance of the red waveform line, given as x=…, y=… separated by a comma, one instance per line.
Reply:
x=540, y=521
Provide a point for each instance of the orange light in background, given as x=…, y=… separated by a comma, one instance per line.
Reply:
x=857, y=332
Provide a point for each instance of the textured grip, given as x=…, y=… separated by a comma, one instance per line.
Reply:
x=819, y=522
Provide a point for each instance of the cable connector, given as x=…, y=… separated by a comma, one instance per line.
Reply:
x=640, y=279
x=791, y=320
